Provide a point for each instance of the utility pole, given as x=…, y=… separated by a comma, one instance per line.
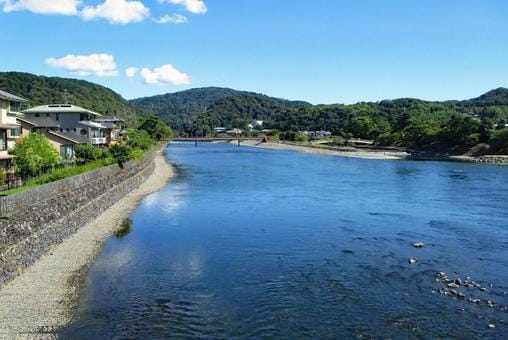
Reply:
x=66, y=96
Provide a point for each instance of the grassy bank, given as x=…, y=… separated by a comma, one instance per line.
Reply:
x=60, y=173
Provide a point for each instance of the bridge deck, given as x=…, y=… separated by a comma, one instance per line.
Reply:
x=206, y=138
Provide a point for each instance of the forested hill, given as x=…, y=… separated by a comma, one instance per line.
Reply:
x=183, y=110
x=39, y=90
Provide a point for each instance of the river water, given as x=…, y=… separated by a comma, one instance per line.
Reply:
x=252, y=243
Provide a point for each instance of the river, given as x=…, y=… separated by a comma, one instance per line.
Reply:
x=251, y=243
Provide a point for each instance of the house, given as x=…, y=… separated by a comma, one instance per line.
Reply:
x=115, y=127
x=10, y=130
x=317, y=134
x=234, y=132
x=255, y=124
x=219, y=131
x=65, y=125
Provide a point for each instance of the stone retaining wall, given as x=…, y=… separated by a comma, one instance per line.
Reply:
x=39, y=218
x=497, y=159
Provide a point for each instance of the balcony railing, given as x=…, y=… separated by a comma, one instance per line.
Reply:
x=98, y=140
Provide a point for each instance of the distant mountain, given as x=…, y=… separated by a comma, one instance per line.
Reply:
x=40, y=90
x=495, y=97
x=222, y=105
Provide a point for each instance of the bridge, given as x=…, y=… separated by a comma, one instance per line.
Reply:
x=197, y=139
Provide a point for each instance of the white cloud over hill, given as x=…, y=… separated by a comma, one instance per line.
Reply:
x=165, y=75
x=100, y=65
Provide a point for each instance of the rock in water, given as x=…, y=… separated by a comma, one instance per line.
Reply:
x=412, y=261
x=492, y=326
x=419, y=245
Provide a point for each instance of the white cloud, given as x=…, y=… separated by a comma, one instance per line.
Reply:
x=117, y=11
x=100, y=65
x=62, y=7
x=166, y=74
x=131, y=72
x=193, y=6
x=172, y=19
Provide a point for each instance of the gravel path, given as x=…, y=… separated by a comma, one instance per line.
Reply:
x=313, y=150
x=40, y=300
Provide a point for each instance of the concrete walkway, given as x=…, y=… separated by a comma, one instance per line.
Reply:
x=41, y=299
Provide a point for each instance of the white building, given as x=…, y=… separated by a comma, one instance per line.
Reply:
x=10, y=130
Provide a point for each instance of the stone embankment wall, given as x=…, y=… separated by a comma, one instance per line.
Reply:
x=35, y=220
x=497, y=159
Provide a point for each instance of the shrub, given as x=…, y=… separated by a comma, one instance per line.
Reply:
x=139, y=139
x=120, y=153
x=34, y=155
x=86, y=153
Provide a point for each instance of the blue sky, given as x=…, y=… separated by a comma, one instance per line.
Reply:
x=322, y=51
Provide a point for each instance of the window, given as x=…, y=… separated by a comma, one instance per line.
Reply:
x=57, y=117
x=47, y=115
x=66, y=151
x=84, y=117
x=3, y=140
x=83, y=132
x=16, y=132
x=36, y=115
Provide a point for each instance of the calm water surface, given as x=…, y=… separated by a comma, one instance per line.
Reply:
x=257, y=243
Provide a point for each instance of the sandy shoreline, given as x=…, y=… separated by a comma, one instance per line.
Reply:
x=41, y=299
x=389, y=155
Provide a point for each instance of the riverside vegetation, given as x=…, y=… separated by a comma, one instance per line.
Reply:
x=39, y=162
x=476, y=126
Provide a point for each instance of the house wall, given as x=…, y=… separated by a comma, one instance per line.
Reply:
x=65, y=120
x=37, y=219
x=6, y=117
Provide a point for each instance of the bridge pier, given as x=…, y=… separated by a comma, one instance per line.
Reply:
x=196, y=143
x=239, y=141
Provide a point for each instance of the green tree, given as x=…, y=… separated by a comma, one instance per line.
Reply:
x=363, y=126
x=120, y=153
x=35, y=155
x=86, y=153
x=139, y=139
x=156, y=128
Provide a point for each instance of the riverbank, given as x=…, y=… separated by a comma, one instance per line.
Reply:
x=368, y=154
x=43, y=297
x=379, y=154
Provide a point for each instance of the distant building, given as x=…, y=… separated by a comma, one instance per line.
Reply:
x=234, y=132
x=10, y=130
x=255, y=124
x=115, y=128
x=316, y=134
x=66, y=125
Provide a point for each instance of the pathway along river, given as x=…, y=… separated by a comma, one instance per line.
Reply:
x=249, y=243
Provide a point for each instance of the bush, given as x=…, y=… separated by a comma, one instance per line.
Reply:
x=34, y=155
x=339, y=141
x=139, y=139
x=301, y=138
x=120, y=153
x=85, y=153
x=390, y=138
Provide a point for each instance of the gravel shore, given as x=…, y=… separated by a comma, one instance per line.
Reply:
x=42, y=299
x=321, y=151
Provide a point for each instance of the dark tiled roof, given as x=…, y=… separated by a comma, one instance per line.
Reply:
x=39, y=121
x=11, y=97
x=73, y=137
